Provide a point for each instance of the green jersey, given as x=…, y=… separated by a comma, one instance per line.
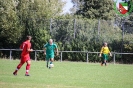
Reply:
x=50, y=48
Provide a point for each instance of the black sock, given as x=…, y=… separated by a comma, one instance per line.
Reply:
x=102, y=62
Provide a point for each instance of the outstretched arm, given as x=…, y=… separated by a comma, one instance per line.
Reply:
x=57, y=52
x=110, y=54
x=100, y=55
x=44, y=51
x=44, y=48
x=101, y=52
x=29, y=50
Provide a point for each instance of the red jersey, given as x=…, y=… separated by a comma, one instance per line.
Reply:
x=25, y=46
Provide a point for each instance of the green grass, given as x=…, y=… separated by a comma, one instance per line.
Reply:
x=66, y=75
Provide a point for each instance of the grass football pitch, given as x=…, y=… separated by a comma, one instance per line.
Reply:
x=66, y=75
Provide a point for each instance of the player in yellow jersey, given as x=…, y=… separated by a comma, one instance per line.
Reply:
x=104, y=53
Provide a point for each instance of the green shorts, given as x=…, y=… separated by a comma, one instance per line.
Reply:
x=105, y=56
x=48, y=57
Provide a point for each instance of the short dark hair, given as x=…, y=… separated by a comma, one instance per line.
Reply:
x=28, y=37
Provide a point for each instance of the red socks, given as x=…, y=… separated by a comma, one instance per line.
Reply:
x=27, y=68
x=20, y=65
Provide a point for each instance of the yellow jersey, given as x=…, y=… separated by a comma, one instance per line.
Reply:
x=105, y=50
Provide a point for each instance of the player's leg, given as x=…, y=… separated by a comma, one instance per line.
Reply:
x=47, y=59
x=103, y=56
x=28, y=67
x=51, y=62
x=105, y=60
x=102, y=63
x=22, y=61
x=47, y=63
x=51, y=59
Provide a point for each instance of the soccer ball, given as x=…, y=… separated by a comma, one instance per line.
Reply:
x=51, y=65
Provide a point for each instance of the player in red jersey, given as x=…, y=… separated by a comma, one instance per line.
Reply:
x=25, y=56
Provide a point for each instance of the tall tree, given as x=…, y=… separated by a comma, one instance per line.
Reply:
x=10, y=28
x=23, y=17
x=35, y=16
x=95, y=9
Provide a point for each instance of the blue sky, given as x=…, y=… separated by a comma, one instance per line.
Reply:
x=67, y=6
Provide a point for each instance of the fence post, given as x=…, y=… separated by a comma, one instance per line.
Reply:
x=87, y=57
x=114, y=58
x=10, y=54
x=35, y=56
x=61, y=56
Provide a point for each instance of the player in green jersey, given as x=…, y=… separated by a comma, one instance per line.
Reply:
x=49, y=49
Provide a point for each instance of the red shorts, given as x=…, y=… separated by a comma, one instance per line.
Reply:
x=24, y=59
